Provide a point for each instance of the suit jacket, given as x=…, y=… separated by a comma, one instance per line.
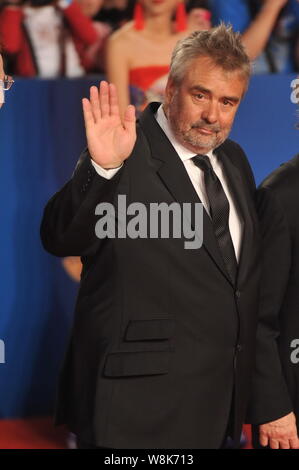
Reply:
x=276, y=380
x=162, y=345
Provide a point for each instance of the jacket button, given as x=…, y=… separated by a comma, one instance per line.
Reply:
x=239, y=347
x=238, y=294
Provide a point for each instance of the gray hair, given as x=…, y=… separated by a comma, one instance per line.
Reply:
x=221, y=44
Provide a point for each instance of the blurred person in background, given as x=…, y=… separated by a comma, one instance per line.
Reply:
x=2, y=76
x=139, y=53
x=269, y=30
x=95, y=52
x=199, y=15
x=46, y=38
x=276, y=380
x=5, y=81
x=116, y=13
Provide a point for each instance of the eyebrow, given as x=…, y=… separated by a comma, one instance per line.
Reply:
x=202, y=89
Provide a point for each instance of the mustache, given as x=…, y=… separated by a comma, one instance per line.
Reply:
x=209, y=127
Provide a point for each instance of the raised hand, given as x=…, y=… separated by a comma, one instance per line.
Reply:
x=110, y=139
x=276, y=3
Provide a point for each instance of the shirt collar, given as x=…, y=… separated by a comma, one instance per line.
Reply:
x=182, y=151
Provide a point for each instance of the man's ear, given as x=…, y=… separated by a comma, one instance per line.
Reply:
x=169, y=91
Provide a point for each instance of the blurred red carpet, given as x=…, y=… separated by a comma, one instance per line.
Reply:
x=247, y=432
x=40, y=433
x=34, y=433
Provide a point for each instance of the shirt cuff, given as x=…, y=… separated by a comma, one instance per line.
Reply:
x=108, y=174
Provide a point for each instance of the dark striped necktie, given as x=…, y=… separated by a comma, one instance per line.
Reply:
x=219, y=212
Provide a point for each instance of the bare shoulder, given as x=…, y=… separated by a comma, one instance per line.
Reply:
x=123, y=36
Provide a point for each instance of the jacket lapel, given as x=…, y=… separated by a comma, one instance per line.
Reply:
x=173, y=174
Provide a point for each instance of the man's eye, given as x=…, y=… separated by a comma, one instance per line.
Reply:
x=227, y=103
x=199, y=96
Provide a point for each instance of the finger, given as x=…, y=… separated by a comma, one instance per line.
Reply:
x=284, y=444
x=294, y=443
x=104, y=99
x=264, y=441
x=95, y=105
x=114, y=106
x=130, y=119
x=274, y=443
x=87, y=113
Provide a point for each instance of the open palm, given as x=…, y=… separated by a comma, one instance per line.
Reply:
x=110, y=139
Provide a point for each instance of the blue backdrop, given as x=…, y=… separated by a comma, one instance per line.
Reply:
x=41, y=137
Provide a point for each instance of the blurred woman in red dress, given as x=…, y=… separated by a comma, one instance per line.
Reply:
x=139, y=53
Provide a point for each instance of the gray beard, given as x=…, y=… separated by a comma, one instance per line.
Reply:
x=196, y=143
x=189, y=140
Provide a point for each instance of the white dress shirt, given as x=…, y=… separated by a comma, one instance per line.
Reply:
x=196, y=176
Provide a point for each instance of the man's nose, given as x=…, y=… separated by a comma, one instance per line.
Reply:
x=210, y=112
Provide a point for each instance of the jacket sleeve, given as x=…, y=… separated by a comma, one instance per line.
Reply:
x=80, y=25
x=11, y=29
x=69, y=219
x=270, y=398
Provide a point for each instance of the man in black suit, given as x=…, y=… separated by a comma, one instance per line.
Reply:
x=275, y=400
x=162, y=347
